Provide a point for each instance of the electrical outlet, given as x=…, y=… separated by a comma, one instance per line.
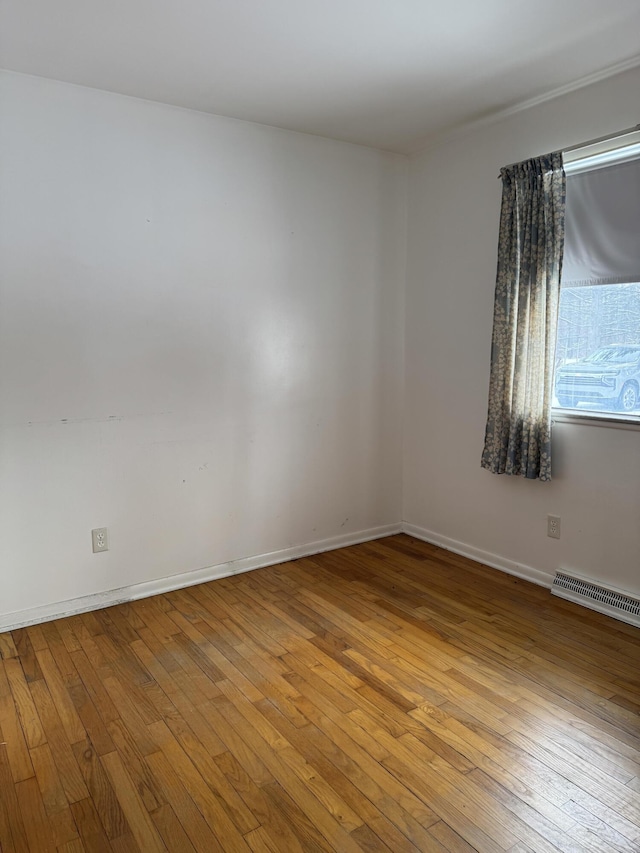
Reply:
x=553, y=526
x=99, y=540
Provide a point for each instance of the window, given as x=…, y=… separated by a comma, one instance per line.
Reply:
x=597, y=365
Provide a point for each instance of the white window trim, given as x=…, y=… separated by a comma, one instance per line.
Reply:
x=583, y=159
x=593, y=419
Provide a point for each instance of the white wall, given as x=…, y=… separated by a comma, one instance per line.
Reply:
x=201, y=332
x=454, y=203
x=201, y=345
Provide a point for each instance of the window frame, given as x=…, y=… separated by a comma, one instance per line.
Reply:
x=590, y=157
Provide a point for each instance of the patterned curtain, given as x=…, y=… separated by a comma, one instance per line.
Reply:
x=530, y=247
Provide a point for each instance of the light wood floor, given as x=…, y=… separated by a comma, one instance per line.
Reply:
x=385, y=697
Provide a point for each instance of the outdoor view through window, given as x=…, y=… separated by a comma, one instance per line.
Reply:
x=598, y=349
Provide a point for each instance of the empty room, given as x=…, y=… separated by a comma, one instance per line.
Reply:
x=319, y=426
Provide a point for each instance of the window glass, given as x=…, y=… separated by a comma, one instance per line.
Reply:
x=598, y=349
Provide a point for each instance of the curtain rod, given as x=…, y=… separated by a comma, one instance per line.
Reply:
x=626, y=132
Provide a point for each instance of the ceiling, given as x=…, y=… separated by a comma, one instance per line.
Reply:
x=385, y=73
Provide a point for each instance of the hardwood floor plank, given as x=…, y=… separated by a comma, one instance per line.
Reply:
x=269, y=818
x=142, y=827
x=203, y=761
x=12, y=732
x=449, y=839
x=130, y=714
x=539, y=827
x=246, y=758
x=8, y=647
x=268, y=743
x=583, y=774
x=343, y=776
x=101, y=790
x=171, y=831
x=390, y=696
x=368, y=841
x=29, y=719
x=91, y=679
x=472, y=830
x=145, y=783
x=303, y=826
x=65, y=761
x=74, y=846
x=91, y=720
x=191, y=819
x=69, y=718
x=27, y=655
x=34, y=816
x=89, y=826
x=37, y=637
x=260, y=841
x=405, y=810
x=59, y=652
x=591, y=830
x=12, y=827
x=53, y=795
x=210, y=803
x=6, y=836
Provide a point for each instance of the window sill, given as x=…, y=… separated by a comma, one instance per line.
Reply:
x=596, y=419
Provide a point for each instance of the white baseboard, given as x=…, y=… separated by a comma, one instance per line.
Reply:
x=59, y=609
x=495, y=561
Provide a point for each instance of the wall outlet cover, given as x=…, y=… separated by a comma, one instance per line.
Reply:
x=99, y=540
x=553, y=526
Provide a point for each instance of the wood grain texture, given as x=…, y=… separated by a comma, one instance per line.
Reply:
x=389, y=696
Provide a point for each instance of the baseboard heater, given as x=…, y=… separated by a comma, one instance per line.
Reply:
x=599, y=598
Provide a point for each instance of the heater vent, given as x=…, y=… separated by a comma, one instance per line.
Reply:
x=596, y=597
